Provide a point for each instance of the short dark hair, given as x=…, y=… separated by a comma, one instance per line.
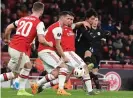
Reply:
x=37, y=6
x=64, y=13
x=91, y=12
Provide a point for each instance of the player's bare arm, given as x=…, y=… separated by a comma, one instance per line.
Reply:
x=43, y=41
x=41, y=35
x=57, y=35
x=60, y=50
x=84, y=23
x=8, y=30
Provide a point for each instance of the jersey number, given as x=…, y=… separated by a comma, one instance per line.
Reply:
x=24, y=28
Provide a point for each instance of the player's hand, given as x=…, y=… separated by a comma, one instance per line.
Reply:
x=6, y=41
x=50, y=44
x=65, y=59
x=86, y=24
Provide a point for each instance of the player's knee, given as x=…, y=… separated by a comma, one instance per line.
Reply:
x=12, y=66
x=88, y=60
x=63, y=65
x=63, y=71
x=28, y=65
x=86, y=71
x=95, y=70
x=87, y=54
x=55, y=72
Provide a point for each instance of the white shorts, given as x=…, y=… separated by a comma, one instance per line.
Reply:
x=18, y=60
x=50, y=59
x=75, y=60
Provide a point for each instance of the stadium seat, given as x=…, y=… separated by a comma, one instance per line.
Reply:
x=117, y=66
x=129, y=66
x=106, y=66
x=4, y=57
x=76, y=82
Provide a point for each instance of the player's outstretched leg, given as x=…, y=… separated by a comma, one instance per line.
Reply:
x=37, y=85
x=47, y=85
x=23, y=77
x=96, y=81
x=7, y=76
x=87, y=81
x=62, y=79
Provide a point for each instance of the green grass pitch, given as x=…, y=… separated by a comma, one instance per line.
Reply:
x=49, y=93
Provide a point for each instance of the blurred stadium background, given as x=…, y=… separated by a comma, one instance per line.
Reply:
x=115, y=16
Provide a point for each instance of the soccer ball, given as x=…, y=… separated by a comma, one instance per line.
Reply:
x=79, y=72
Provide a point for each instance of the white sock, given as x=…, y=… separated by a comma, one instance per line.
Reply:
x=22, y=83
x=2, y=78
x=45, y=79
x=23, y=77
x=7, y=76
x=88, y=83
x=62, y=77
x=50, y=84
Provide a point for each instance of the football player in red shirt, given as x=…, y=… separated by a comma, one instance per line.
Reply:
x=52, y=62
x=27, y=28
x=68, y=45
x=58, y=31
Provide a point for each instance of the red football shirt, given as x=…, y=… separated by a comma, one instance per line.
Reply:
x=27, y=29
x=68, y=39
x=52, y=33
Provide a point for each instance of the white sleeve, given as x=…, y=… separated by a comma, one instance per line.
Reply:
x=57, y=32
x=40, y=28
x=73, y=26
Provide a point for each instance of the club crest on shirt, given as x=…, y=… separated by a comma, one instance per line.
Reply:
x=58, y=34
x=98, y=33
x=70, y=33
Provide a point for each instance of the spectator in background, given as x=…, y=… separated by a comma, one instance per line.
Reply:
x=4, y=69
x=127, y=50
x=131, y=28
x=7, y=13
x=64, y=5
x=126, y=14
x=81, y=12
x=117, y=55
x=54, y=7
x=54, y=19
x=89, y=5
x=131, y=47
x=122, y=58
x=109, y=27
x=110, y=44
x=120, y=11
x=117, y=44
x=110, y=55
x=118, y=28
x=14, y=17
x=4, y=47
x=122, y=37
x=131, y=9
x=113, y=8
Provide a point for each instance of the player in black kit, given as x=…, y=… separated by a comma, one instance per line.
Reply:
x=88, y=46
